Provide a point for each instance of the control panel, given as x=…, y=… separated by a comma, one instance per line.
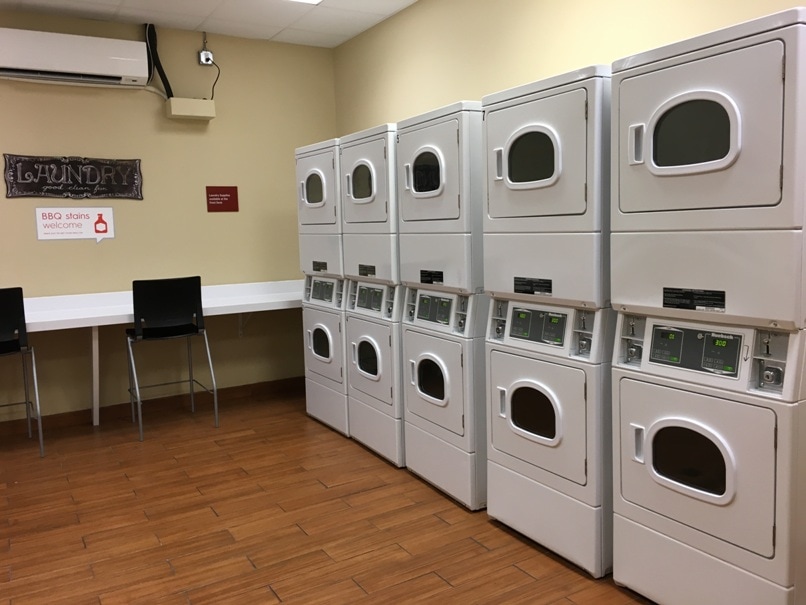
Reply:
x=716, y=352
x=555, y=330
x=375, y=300
x=459, y=314
x=538, y=326
x=324, y=292
x=436, y=309
x=753, y=359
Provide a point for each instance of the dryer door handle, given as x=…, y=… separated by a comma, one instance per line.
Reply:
x=310, y=337
x=499, y=163
x=638, y=443
x=349, y=185
x=407, y=176
x=355, y=353
x=302, y=191
x=635, y=144
x=413, y=367
x=502, y=402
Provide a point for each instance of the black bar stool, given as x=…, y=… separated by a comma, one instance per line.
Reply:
x=167, y=309
x=14, y=341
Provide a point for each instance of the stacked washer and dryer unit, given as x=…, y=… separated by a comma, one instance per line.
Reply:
x=550, y=328
x=440, y=186
x=708, y=211
x=323, y=301
x=374, y=299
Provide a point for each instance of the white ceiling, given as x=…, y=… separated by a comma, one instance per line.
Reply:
x=327, y=24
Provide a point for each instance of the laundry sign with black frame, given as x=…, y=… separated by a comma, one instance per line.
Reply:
x=72, y=177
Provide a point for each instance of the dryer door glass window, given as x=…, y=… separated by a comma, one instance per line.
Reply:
x=693, y=132
x=321, y=343
x=362, y=182
x=430, y=379
x=367, y=358
x=426, y=172
x=690, y=458
x=531, y=158
x=533, y=412
x=314, y=189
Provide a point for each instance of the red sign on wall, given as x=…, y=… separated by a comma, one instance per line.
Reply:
x=222, y=199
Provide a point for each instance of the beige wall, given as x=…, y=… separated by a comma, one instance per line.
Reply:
x=270, y=99
x=437, y=52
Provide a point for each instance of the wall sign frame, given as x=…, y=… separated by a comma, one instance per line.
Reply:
x=72, y=177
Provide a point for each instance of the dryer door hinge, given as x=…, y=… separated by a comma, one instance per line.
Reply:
x=773, y=536
x=334, y=211
x=781, y=177
x=586, y=192
x=390, y=340
x=775, y=438
x=333, y=163
x=459, y=201
x=783, y=69
x=586, y=109
x=457, y=137
x=463, y=421
x=384, y=152
x=585, y=392
x=339, y=328
x=462, y=360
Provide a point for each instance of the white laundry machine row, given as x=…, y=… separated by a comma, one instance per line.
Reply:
x=323, y=324
x=709, y=468
x=319, y=209
x=375, y=390
x=549, y=451
x=547, y=148
x=369, y=205
x=440, y=191
x=708, y=199
x=443, y=392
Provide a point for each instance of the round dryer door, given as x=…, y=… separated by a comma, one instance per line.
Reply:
x=539, y=413
x=323, y=344
x=371, y=363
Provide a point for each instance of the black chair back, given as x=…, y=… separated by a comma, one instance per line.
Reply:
x=166, y=303
x=12, y=319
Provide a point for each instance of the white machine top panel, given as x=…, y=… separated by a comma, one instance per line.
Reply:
x=439, y=113
x=720, y=36
x=316, y=147
x=594, y=71
x=369, y=133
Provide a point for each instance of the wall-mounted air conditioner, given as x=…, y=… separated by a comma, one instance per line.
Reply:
x=69, y=59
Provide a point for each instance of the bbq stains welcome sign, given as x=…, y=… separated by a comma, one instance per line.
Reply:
x=72, y=177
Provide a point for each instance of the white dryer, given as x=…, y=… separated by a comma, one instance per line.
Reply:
x=709, y=477
x=440, y=190
x=323, y=322
x=443, y=391
x=374, y=368
x=549, y=448
x=369, y=205
x=547, y=149
x=319, y=209
x=708, y=153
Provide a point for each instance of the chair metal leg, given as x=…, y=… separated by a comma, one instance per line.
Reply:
x=191, y=382
x=36, y=404
x=28, y=402
x=131, y=380
x=133, y=374
x=212, y=378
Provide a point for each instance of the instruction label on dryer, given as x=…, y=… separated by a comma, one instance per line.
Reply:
x=697, y=300
x=531, y=285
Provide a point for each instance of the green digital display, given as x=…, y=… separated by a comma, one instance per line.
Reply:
x=554, y=320
x=720, y=342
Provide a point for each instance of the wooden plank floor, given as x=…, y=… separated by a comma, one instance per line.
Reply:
x=273, y=507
